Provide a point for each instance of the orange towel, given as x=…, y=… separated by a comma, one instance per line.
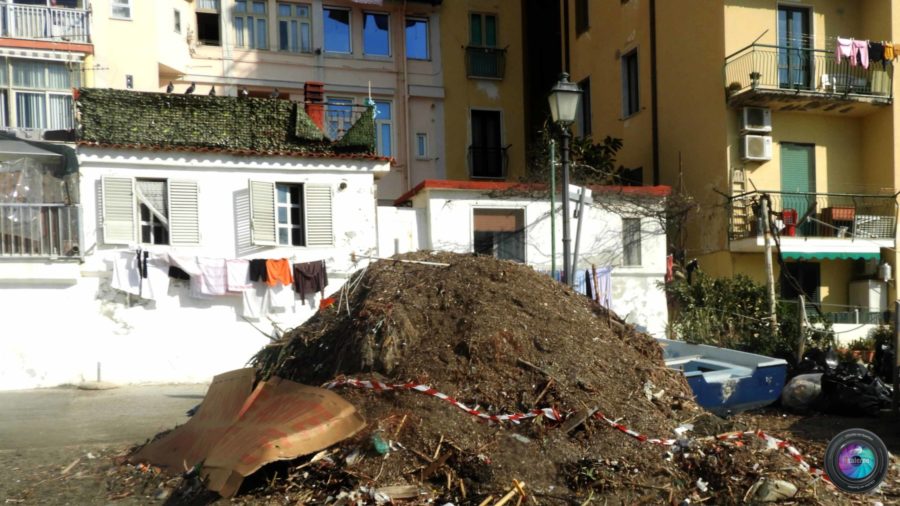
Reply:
x=278, y=271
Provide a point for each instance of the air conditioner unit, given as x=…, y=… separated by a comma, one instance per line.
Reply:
x=756, y=148
x=756, y=119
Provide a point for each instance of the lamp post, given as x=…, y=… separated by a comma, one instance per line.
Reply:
x=564, y=99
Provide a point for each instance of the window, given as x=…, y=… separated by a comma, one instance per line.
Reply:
x=337, y=30
x=630, y=90
x=483, y=30
x=39, y=95
x=121, y=9
x=583, y=117
x=150, y=211
x=208, y=22
x=417, y=39
x=383, y=140
x=338, y=116
x=294, y=28
x=487, y=158
x=631, y=241
x=250, y=24
x=422, y=146
x=376, y=34
x=582, y=16
x=177, y=21
x=499, y=233
x=290, y=214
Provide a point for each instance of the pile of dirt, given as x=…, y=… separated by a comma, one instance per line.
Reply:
x=499, y=336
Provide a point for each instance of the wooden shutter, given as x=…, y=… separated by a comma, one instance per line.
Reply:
x=262, y=213
x=118, y=210
x=184, y=219
x=317, y=203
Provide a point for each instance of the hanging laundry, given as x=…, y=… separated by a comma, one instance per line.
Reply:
x=142, y=258
x=126, y=276
x=670, y=264
x=310, y=277
x=604, y=286
x=187, y=264
x=280, y=297
x=258, y=270
x=861, y=49
x=843, y=49
x=213, y=279
x=888, y=52
x=588, y=290
x=252, y=301
x=156, y=284
x=278, y=271
x=876, y=53
x=176, y=272
x=238, y=275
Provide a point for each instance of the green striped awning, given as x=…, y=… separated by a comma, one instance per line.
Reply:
x=830, y=255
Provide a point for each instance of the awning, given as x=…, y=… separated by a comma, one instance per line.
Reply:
x=17, y=148
x=830, y=255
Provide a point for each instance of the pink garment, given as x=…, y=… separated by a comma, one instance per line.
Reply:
x=860, y=47
x=843, y=49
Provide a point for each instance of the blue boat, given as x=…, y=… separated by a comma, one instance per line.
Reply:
x=726, y=381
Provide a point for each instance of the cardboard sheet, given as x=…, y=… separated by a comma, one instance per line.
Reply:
x=237, y=431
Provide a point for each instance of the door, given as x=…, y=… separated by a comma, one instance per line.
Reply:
x=486, y=152
x=794, y=46
x=798, y=182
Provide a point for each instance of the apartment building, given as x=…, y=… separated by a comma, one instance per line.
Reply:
x=333, y=55
x=741, y=101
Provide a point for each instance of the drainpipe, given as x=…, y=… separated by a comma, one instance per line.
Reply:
x=406, y=143
x=653, y=93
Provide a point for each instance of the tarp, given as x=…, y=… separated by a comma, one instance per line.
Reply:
x=236, y=431
x=830, y=255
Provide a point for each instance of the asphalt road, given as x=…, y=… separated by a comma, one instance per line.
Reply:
x=56, y=417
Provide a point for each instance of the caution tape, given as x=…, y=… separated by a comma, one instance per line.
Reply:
x=555, y=415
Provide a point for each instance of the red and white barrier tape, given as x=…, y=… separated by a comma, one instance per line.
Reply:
x=555, y=415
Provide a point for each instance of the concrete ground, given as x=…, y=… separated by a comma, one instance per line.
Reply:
x=56, y=417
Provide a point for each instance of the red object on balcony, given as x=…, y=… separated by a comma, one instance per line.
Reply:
x=789, y=218
x=314, y=96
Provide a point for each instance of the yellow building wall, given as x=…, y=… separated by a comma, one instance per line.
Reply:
x=616, y=29
x=124, y=47
x=463, y=94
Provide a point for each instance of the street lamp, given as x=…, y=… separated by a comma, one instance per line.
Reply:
x=564, y=99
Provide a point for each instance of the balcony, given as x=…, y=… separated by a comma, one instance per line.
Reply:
x=816, y=225
x=793, y=79
x=52, y=24
x=488, y=162
x=485, y=62
x=39, y=231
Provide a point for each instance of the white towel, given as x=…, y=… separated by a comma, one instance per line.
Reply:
x=280, y=297
x=156, y=285
x=238, y=275
x=212, y=276
x=125, y=275
x=185, y=263
x=252, y=302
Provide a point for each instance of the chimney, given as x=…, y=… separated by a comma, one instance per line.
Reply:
x=314, y=97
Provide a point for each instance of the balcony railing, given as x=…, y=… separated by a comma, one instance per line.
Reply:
x=488, y=163
x=39, y=230
x=339, y=117
x=485, y=62
x=767, y=68
x=44, y=23
x=832, y=215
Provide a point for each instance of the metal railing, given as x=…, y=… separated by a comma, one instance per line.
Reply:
x=799, y=214
x=45, y=23
x=39, y=230
x=771, y=68
x=488, y=163
x=485, y=62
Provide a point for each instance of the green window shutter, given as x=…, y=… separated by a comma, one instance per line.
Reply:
x=475, y=29
x=317, y=201
x=184, y=216
x=797, y=168
x=118, y=210
x=490, y=31
x=262, y=213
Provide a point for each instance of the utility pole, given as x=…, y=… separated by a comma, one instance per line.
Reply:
x=566, y=233
x=801, y=340
x=770, y=275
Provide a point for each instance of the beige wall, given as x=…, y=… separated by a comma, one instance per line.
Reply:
x=125, y=47
x=464, y=94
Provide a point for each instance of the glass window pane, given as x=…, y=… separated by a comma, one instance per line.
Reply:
x=382, y=110
x=421, y=145
x=297, y=236
x=282, y=215
x=284, y=9
x=296, y=190
x=251, y=32
x=376, y=39
x=239, y=32
x=282, y=191
x=240, y=6
x=384, y=139
x=29, y=74
x=490, y=31
x=259, y=7
x=283, y=35
x=262, y=31
x=417, y=39
x=295, y=37
x=295, y=215
x=337, y=31
x=31, y=110
x=475, y=29
x=4, y=71
x=303, y=11
x=305, y=44
x=58, y=76
x=283, y=236
x=61, y=114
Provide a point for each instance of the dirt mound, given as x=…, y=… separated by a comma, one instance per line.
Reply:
x=498, y=336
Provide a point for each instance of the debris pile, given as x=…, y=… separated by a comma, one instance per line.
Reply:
x=429, y=354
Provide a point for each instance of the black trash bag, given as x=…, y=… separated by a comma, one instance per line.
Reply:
x=850, y=389
x=883, y=364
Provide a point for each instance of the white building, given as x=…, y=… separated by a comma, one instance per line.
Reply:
x=622, y=232
x=65, y=321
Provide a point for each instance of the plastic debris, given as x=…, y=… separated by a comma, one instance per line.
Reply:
x=381, y=446
x=766, y=490
x=702, y=485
